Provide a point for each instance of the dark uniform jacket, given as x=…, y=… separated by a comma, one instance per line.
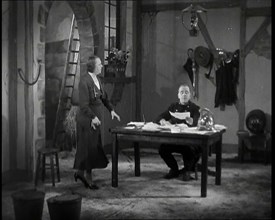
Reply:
x=177, y=107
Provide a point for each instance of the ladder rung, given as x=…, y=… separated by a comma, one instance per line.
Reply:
x=65, y=100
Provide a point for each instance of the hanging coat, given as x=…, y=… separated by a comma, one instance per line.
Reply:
x=90, y=153
x=226, y=84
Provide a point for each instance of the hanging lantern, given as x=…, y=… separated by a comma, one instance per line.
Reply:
x=192, y=26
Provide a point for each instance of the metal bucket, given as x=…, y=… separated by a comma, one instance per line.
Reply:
x=28, y=204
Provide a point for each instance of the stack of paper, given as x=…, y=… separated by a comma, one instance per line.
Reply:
x=151, y=127
x=136, y=124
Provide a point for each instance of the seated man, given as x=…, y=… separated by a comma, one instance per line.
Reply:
x=190, y=154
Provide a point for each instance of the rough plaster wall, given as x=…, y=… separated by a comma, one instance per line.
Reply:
x=258, y=70
x=60, y=18
x=57, y=37
x=5, y=83
x=165, y=44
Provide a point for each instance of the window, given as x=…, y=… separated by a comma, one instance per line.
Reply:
x=112, y=15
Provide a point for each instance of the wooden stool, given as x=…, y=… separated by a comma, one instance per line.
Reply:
x=196, y=171
x=47, y=152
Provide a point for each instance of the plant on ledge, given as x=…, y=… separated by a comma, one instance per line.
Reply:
x=116, y=63
x=117, y=57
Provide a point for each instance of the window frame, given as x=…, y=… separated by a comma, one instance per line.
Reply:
x=110, y=4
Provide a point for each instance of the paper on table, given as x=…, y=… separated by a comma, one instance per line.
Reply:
x=138, y=124
x=194, y=130
x=151, y=127
x=180, y=115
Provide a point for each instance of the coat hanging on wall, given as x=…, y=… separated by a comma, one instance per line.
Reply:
x=227, y=76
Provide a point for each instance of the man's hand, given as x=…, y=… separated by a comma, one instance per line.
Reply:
x=95, y=122
x=115, y=115
x=189, y=120
x=164, y=122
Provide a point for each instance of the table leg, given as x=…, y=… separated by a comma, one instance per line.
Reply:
x=37, y=169
x=218, y=162
x=115, y=162
x=43, y=167
x=241, y=149
x=204, y=171
x=137, y=159
x=52, y=169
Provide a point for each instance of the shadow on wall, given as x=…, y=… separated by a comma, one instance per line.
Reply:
x=158, y=103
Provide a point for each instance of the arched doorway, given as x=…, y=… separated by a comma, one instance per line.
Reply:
x=57, y=38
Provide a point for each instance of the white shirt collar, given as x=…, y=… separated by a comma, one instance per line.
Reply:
x=94, y=79
x=92, y=74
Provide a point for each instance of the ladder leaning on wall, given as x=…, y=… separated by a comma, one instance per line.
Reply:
x=67, y=86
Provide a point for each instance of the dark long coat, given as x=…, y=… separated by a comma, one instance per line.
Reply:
x=90, y=153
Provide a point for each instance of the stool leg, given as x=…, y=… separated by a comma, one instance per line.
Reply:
x=43, y=167
x=52, y=169
x=265, y=154
x=37, y=169
x=196, y=171
x=210, y=151
x=57, y=166
x=242, y=151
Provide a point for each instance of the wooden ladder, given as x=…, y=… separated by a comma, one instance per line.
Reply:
x=68, y=81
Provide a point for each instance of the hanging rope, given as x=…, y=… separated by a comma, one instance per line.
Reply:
x=21, y=73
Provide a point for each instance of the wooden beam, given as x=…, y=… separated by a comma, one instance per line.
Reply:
x=165, y=6
x=241, y=98
x=253, y=12
x=205, y=34
x=240, y=105
x=209, y=42
x=29, y=103
x=248, y=47
x=12, y=58
x=118, y=80
x=137, y=40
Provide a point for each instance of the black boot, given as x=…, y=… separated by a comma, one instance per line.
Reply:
x=186, y=176
x=172, y=174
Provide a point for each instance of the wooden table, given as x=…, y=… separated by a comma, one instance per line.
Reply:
x=138, y=135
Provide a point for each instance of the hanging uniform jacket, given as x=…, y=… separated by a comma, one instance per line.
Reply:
x=226, y=84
